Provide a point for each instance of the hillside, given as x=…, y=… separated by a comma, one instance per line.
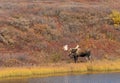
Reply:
x=33, y=32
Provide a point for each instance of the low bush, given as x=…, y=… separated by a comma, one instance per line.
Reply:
x=55, y=57
x=115, y=17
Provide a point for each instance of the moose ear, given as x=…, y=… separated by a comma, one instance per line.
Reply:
x=65, y=47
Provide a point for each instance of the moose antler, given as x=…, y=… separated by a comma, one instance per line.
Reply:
x=77, y=47
x=65, y=47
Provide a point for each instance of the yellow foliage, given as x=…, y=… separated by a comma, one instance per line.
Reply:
x=115, y=16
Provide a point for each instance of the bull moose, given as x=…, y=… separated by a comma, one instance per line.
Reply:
x=77, y=52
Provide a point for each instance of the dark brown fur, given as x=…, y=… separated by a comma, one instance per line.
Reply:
x=75, y=53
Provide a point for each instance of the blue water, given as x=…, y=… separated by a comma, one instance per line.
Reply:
x=85, y=78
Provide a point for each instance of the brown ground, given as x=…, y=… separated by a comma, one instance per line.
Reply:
x=32, y=32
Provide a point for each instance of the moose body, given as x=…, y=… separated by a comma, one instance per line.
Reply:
x=77, y=52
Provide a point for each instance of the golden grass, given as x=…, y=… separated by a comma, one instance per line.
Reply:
x=96, y=66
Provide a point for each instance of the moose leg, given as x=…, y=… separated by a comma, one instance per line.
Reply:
x=88, y=57
x=75, y=59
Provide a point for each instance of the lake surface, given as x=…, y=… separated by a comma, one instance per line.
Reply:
x=84, y=78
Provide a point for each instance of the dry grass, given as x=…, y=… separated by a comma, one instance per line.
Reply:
x=96, y=66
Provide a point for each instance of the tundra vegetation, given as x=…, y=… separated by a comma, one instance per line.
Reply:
x=33, y=32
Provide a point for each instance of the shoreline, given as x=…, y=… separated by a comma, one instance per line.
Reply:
x=61, y=69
